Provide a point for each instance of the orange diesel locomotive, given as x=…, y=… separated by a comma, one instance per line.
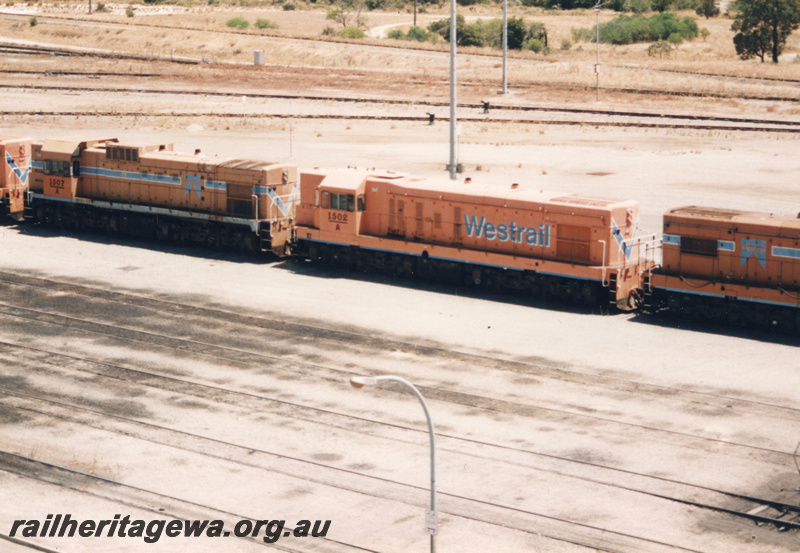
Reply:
x=154, y=191
x=722, y=264
x=538, y=243
x=738, y=265
x=16, y=155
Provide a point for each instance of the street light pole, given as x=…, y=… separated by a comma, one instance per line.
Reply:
x=597, y=54
x=431, y=518
x=505, y=46
x=453, y=165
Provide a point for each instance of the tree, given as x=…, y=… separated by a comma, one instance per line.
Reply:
x=762, y=27
x=707, y=8
x=348, y=13
x=662, y=5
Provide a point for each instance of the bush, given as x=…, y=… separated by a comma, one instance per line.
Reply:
x=560, y=4
x=659, y=48
x=352, y=32
x=33, y=21
x=535, y=45
x=638, y=6
x=289, y=6
x=490, y=33
x=582, y=34
x=129, y=11
x=419, y=34
x=238, y=23
x=414, y=33
x=265, y=24
x=100, y=7
x=637, y=28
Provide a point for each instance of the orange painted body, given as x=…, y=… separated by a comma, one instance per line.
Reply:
x=157, y=177
x=731, y=254
x=518, y=229
x=15, y=156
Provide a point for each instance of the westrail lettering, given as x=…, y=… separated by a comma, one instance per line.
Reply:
x=507, y=232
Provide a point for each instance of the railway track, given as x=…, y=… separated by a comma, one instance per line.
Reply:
x=458, y=505
x=35, y=401
x=522, y=86
x=508, y=114
x=385, y=45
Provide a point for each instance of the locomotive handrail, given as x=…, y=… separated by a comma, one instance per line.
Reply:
x=603, y=274
x=642, y=242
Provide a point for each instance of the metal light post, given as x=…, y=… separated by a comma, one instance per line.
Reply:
x=597, y=55
x=431, y=518
x=505, y=46
x=453, y=165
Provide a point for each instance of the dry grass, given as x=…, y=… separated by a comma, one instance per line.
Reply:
x=200, y=32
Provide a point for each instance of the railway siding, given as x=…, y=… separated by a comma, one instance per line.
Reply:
x=130, y=374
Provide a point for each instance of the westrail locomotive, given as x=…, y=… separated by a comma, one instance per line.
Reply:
x=739, y=266
x=154, y=191
x=528, y=241
x=16, y=156
x=726, y=265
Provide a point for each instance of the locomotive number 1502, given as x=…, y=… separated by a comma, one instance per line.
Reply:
x=337, y=217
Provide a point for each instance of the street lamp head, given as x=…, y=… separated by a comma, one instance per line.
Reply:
x=359, y=382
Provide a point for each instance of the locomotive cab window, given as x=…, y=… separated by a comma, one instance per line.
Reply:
x=362, y=202
x=57, y=168
x=699, y=246
x=342, y=202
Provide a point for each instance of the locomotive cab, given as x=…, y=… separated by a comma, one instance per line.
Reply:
x=60, y=164
x=340, y=204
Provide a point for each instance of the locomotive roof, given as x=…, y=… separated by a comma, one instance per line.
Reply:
x=734, y=215
x=493, y=193
x=241, y=164
x=11, y=139
x=463, y=190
